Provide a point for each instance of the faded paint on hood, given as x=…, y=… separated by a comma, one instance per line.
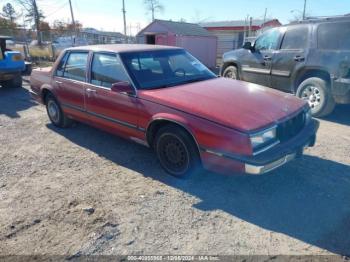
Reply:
x=235, y=104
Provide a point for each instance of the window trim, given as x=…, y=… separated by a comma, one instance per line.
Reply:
x=92, y=54
x=64, y=65
x=295, y=49
x=279, y=42
x=69, y=52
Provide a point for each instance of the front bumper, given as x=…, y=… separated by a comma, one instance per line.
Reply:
x=259, y=170
x=270, y=160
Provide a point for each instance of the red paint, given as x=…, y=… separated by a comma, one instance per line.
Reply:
x=218, y=113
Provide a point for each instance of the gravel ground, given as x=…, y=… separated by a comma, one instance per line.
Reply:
x=83, y=191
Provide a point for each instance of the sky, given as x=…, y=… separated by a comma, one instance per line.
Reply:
x=107, y=15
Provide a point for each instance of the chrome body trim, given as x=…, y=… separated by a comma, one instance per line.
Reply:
x=116, y=121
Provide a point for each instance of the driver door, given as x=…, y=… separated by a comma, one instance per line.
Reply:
x=257, y=63
x=116, y=112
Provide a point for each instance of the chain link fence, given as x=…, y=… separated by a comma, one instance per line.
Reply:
x=53, y=42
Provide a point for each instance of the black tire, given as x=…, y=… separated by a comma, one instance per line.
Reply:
x=15, y=82
x=317, y=92
x=230, y=72
x=55, y=113
x=177, y=152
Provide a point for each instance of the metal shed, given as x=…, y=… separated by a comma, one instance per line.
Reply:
x=194, y=38
x=232, y=34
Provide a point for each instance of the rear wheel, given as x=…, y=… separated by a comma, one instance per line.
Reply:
x=55, y=113
x=230, y=72
x=317, y=93
x=15, y=82
x=177, y=152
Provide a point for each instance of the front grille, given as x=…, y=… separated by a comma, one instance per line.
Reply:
x=291, y=127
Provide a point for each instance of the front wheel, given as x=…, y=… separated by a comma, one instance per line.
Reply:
x=55, y=113
x=177, y=152
x=230, y=72
x=316, y=92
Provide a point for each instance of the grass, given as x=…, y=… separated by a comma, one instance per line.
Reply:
x=37, y=53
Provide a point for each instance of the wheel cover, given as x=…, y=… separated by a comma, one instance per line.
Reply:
x=313, y=96
x=173, y=154
x=230, y=74
x=53, y=111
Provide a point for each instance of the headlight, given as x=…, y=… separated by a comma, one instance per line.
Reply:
x=264, y=139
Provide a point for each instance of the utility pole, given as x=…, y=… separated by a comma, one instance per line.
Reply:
x=304, y=12
x=37, y=22
x=72, y=15
x=152, y=8
x=73, y=21
x=265, y=15
x=124, y=17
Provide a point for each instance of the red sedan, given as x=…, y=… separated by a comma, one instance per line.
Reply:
x=164, y=98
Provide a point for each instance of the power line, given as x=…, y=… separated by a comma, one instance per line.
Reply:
x=58, y=9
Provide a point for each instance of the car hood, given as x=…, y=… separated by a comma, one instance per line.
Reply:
x=235, y=104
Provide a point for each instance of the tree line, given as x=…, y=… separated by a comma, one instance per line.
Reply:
x=33, y=15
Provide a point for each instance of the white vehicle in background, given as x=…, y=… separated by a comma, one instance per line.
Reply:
x=64, y=42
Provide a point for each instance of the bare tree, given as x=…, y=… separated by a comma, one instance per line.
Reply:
x=33, y=14
x=9, y=12
x=153, y=6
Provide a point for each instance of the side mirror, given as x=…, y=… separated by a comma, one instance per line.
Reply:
x=248, y=46
x=123, y=87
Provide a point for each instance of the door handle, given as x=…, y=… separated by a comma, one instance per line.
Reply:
x=91, y=91
x=299, y=58
x=58, y=82
x=267, y=58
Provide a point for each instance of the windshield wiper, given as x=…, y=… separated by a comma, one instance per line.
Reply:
x=195, y=80
x=182, y=83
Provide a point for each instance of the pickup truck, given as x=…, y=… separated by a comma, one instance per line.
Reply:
x=164, y=98
x=12, y=65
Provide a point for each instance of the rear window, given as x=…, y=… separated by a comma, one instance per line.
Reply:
x=334, y=36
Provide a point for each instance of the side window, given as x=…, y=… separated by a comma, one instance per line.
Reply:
x=268, y=41
x=76, y=66
x=334, y=36
x=106, y=70
x=295, y=39
x=62, y=63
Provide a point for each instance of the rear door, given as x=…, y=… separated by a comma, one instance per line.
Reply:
x=113, y=111
x=291, y=56
x=257, y=64
x=69, y=81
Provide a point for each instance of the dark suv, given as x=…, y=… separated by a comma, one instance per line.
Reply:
x=310, y=59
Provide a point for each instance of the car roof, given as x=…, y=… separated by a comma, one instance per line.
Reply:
x=121, y=48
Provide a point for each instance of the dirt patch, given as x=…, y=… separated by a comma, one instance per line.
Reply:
x=81, y=191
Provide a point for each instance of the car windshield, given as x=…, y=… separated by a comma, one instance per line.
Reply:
x=164, y=68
